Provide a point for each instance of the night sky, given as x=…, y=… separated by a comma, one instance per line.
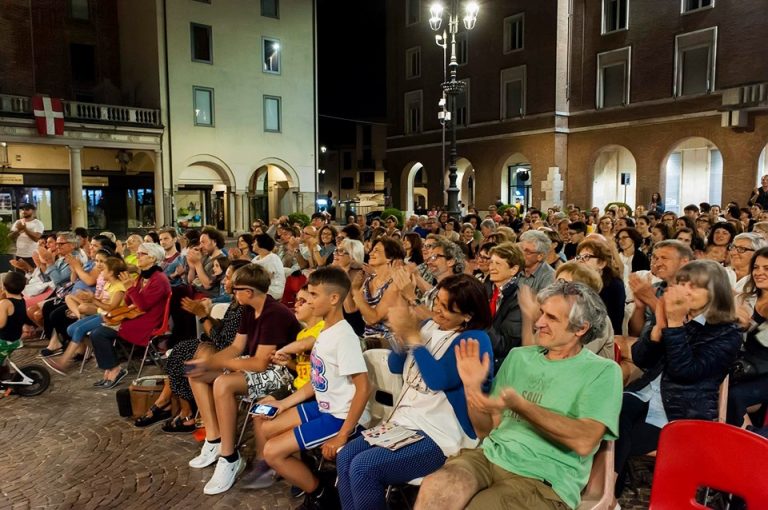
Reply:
x=351, y=62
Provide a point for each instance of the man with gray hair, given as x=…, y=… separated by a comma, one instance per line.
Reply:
x=60, y=271
x=537, y=273
x=550, y=407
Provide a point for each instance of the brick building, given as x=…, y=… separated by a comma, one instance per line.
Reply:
x=672, y=94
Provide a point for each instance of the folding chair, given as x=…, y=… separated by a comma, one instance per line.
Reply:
x=598, y=493
x=162, y=330
x=697, y=453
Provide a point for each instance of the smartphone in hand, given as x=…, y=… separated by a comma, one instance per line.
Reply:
x=263, y=410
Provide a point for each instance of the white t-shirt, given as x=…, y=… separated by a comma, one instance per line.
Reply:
x=421, y=408
x=335, y=357
x=274, y=267
x=25, y=246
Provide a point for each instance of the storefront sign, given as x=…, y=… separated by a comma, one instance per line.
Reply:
x=12, y=179
x=95, y=181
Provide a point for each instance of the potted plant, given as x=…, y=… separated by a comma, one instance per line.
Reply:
x=5, y=247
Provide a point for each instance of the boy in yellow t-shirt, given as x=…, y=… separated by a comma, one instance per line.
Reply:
x=305, y=340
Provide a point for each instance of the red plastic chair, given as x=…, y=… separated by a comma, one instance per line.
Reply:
x=695, y=453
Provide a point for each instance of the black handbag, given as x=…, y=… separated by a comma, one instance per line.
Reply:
x=752, y=360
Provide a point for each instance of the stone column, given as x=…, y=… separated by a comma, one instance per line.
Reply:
x=78, y=214
x=239, y=212
x=159, y=195
x=231, y=212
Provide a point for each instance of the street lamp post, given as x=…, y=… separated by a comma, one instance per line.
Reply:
x=452, y=87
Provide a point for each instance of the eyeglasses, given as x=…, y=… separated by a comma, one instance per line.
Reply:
x=436, y=256
x=585, y=257
x=740, y=249
x=140, y=253
x=341, y=252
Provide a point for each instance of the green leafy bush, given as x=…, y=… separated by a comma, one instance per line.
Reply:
x=300, y=217
x=397, y=213
x=629, y=209
x=5, y=241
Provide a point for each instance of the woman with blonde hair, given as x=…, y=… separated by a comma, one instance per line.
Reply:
x=599, y=256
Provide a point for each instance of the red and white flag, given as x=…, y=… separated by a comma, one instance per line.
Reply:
x=49, y=115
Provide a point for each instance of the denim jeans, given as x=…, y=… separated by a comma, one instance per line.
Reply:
x=77, y=330
x=102, y=338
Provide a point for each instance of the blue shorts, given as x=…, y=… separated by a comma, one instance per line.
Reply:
x=316, y=428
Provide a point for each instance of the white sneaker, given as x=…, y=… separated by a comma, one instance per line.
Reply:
x=225, y=475
x=208, y=455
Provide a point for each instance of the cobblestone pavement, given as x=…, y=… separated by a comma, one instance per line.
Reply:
x=69, y=449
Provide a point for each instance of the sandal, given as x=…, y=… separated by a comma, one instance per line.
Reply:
x=177, y=424
x=158, y=414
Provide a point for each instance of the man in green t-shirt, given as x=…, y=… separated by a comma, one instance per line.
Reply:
x=550, y=406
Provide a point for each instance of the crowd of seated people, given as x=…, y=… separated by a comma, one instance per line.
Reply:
x=524, y=339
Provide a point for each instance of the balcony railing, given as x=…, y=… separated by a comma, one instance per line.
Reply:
x=89, y=112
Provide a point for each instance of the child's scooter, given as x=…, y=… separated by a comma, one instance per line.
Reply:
x=27, y=381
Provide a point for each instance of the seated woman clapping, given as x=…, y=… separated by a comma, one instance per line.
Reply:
x=104, y=300
x=432, y=401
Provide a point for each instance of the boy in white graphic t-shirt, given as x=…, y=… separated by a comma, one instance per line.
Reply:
x=339, y=384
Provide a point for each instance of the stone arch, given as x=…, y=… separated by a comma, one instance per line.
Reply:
x=211, y=162
x=609, y=163
x=143, y=161
x=513, y=187
x=409, y=192
x=762, y=164
x=274, y=190
x=692, y=172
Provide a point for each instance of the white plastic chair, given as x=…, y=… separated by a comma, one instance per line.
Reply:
x=598, y=493
x=218, y=310
x=386, y=385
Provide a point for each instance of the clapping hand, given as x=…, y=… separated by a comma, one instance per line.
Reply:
x=529, y=306
x=194, y=307
x=194, y=256
x=403, y=282
x=405, y=325
x=126, y=279
x=641, y=289
x=473, y=372
x=85, y=297
x=234, y=253
x=744, y=315
x=357, y=281
x=676, y=305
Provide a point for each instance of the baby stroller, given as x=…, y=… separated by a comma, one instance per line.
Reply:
x=27, y=381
